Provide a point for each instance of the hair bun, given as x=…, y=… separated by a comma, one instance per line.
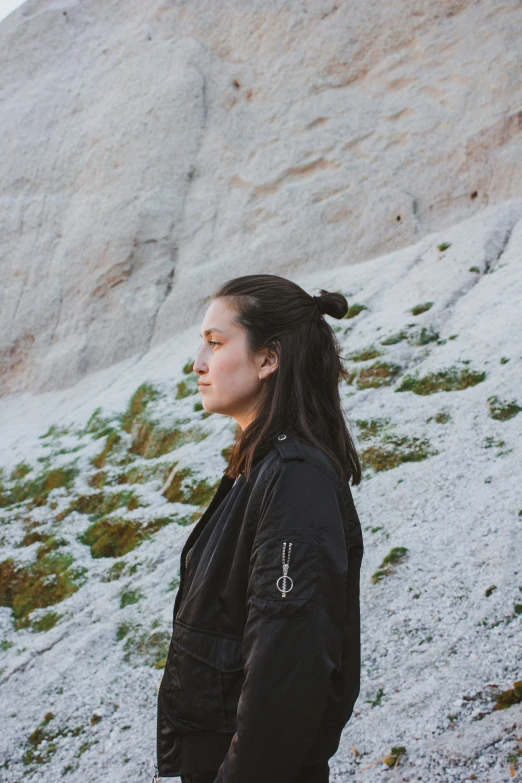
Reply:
x=331, y=303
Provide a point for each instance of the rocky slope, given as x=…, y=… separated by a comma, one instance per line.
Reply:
x=102, y=482
x=152, y=149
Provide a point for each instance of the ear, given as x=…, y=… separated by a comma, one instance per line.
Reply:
x=271, y=356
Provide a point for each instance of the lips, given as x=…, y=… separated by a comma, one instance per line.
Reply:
x=203, y=384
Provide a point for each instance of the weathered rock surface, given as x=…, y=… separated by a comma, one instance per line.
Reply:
x=152, y=150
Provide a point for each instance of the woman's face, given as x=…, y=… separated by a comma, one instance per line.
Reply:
x=230, y=377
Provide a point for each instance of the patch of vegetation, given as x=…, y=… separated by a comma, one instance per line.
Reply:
x=116, y=536
x=474, y=269
x=421, y=308
x=395, y=338
x=444, y=246
x=393, y=557
x=504, y=360
x=46, y=622
x=187, y=368
x=509, y=697
x=5, y=645
x=173, y=584
x=111, y=444
x=354, y=310
x=151, y=440
x=186, y=388
x=393, y=758
x=38, y=488
x=369, y=428
x=98, y=479
x=377, y=701
x=55, y=431
x=44, y=582
x=378, y=374
x=365, y=354
x=502, y=411
x=196, y=492
x=129, y=597
x=99, y=504
x=489, y=590
x=427, y=336
x=144, y=394
x=21, y=470
x=442, y=417
x=452, y=379
x=147, y=648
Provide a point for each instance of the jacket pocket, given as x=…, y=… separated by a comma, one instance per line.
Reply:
x=205, y=673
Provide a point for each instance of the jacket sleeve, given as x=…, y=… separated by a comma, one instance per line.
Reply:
x=292, y=642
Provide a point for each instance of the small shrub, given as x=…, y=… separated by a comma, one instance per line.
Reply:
x=354, y=310
x=502, y=411
x=445, y=380
x=421, y=308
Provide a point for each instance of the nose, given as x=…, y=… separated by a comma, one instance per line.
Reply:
x=198, y=365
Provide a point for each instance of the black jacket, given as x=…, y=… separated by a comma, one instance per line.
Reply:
x=260, y=683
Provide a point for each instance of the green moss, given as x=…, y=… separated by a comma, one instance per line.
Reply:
x=370, y=428
x=395, y=338
x=128, y=597
x=378, y=374
x=394, y=451
x=38, y=488
x=502, y=411
x=394, y=556
x=44, y=582
x=354, y=310
x=474, y=269
x=444, y=246
x=112, y=537
x=144, y=394
x=365, y=355
x=421, y=308
x=46, y=622
x=427, y=336
x=445, y=380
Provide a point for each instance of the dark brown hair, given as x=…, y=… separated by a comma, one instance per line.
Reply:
x=301, y=397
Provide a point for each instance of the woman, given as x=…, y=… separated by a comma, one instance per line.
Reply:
x=263, y=667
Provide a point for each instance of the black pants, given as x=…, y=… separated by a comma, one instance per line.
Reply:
x=316, y=774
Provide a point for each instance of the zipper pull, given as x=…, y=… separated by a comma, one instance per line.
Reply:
x=286, y=563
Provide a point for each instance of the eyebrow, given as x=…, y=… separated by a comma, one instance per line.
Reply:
x=208, y=331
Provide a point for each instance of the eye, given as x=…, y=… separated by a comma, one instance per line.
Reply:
x=213, y=342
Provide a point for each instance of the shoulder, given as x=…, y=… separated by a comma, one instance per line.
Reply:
x=293, y=457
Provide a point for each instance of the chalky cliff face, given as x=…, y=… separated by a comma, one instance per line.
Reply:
x=152, y=150
x=102, y=483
